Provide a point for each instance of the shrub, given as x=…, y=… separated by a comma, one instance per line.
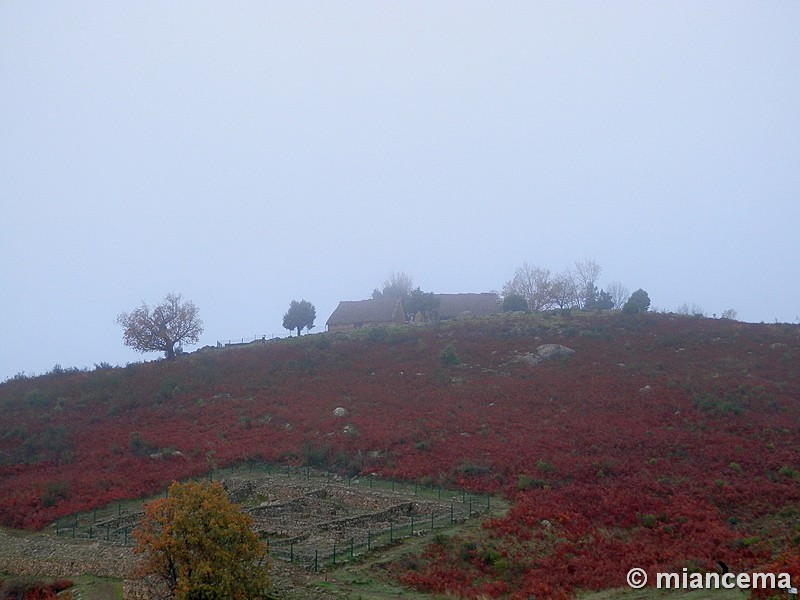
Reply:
x=648, y=520
x=728, y=404
x=526, y=482
x=32, y=588
x=322, y=342
x=54, y=492
x=448, y=356
x=515, y=303
x=315, y=455
x=544, y=466
x=377, y=334
x=138, y=446
x=423, y=445
x=37, y=399
x=473, y=469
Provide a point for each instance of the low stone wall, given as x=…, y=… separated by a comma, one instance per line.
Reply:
x=40, y=555
x=298, y=517
x=385, y=516
x=24, y=554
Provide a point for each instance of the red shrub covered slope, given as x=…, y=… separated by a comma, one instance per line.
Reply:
x=664, y=442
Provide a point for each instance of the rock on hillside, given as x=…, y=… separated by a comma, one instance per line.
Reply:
x=547, y=352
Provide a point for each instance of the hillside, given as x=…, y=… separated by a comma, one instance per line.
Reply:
x=664, y=442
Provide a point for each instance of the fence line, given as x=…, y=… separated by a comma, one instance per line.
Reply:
x=240, y=341
x=115, y=523
x=346, y=549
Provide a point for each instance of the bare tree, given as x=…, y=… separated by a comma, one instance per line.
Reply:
x=172, y=323
x=398, y=285
x=587, y=272
x=619, y=294
x=691, y=310
x=533, y=284
x=564, y=290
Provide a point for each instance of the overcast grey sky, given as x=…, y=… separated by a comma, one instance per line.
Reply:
x=246, y=154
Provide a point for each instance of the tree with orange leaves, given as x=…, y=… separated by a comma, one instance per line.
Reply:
x=197, y=545
x=169, y=325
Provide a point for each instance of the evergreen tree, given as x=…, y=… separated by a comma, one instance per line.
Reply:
x=639, y=302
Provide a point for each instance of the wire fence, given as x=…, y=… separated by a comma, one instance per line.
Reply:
x=321, y=556
x=264, y=338
x=309, y=538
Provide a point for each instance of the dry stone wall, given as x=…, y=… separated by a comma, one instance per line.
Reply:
x=308, y=516
x=26, y=554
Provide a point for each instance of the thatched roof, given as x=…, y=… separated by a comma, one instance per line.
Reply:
x=477, y=305
x=366, y=312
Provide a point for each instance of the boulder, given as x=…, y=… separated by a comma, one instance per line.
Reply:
x=547, y=352
x=554, y=351
x=340, y=412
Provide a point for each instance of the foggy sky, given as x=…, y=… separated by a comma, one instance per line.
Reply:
x=246, y=154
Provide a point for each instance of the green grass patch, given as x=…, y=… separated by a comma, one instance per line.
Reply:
x=89, y=587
